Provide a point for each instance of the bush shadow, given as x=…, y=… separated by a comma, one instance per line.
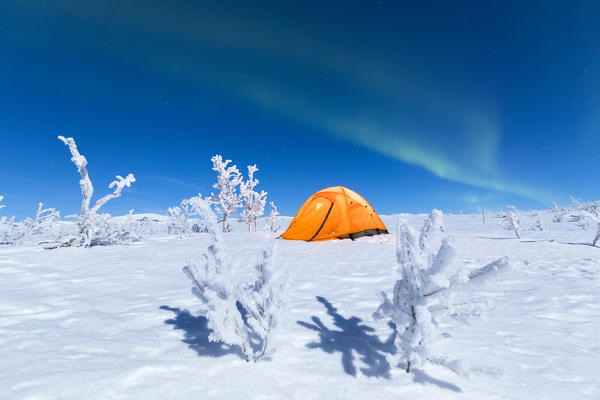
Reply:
x=196, y=332
x=351, y=338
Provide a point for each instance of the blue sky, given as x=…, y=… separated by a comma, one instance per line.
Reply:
x=454, y=105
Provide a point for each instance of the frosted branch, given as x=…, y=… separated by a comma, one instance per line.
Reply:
x=119, y=184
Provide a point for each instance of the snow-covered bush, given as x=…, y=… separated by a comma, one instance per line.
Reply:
x=253, y=202
x=558, y=213
x=511, y=222
x=145, y=226
x=43, y=224
x=238, y=315
x=177, y=221
x=262, y=301
x=180, y=217
x=427, y=279
x=11, y=232
x=87, y=232
x=227, y=199
x=270, y=223
x=590, y=213
x=43, y=227
x=538, y=226
x=104, y=230
x=433, y=224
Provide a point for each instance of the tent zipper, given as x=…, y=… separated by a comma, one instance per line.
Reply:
x=321, y=227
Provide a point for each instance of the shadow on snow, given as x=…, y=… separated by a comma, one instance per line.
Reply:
x=352, y=337
x=196, y=333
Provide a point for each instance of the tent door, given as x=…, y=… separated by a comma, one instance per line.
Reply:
x=322, y=224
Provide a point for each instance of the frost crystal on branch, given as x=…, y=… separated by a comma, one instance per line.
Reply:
x=89, y=217
x=419, y=298
x=227, y=199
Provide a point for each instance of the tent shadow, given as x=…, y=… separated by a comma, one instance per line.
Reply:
x=351, y=338
x=196, y=334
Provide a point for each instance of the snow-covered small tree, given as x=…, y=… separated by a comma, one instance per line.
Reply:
x=433, y=224
x=180, y=217
x=483, y=216
x=538, y=225
x=262, y=301
x=88, y=215
x=236, y=314
x=589, y=211
x=253, y=202
x=227, y=198
x=511, y=222
x=419, y=298
x=176, y=221
x=271, y=218
x=43, y=223
x=558, y=213
x=11, y=232
x=1, y=205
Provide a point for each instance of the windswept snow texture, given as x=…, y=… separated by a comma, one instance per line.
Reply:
x=120, y=322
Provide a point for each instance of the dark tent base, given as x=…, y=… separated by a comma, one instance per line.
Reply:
x=368, y=232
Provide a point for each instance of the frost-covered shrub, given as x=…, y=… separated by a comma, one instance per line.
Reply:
x=588, y=214
x=176, y=224
x=180, y=217
x=271, y=218
x=104, y=230
x=423, y=295
x=262, y=301
x=227, y=199
x=87, y=232
x=11, y=232
x=43, y=224
x=538, y=226
x=558, y=213
x=511, y=222
x=238, y=315
x=145, y=226
x=253, y=202
x=433, y=224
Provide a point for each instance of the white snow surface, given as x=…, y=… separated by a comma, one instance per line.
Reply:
x=119, y=322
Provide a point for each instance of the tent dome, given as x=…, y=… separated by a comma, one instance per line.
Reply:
x=334, y=213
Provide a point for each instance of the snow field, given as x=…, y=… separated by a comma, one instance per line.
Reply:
x=120, y=322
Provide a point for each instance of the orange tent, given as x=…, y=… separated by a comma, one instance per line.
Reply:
x=334, y=213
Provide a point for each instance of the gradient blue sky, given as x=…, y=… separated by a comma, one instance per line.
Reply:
x=455, y=105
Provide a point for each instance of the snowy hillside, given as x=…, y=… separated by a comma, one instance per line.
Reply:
x=113, y=322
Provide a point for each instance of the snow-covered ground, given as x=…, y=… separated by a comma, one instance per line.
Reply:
x=120, y=321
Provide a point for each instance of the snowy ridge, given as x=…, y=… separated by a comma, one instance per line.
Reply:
x=120, y=322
